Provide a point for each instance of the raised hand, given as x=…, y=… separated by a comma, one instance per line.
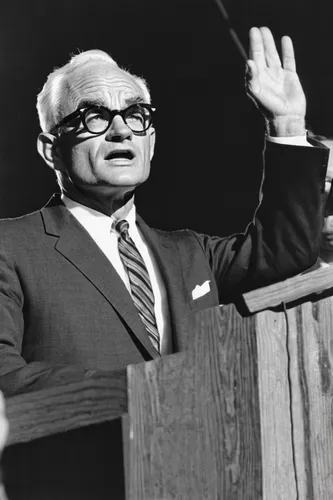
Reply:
x=274, y=87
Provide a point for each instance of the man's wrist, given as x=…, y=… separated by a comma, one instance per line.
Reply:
x=286, y=126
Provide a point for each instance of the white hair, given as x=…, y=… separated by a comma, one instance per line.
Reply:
x=50, y=99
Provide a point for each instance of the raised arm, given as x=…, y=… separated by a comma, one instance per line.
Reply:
x=284, y=237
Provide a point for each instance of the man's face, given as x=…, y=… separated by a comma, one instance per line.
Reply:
x=97, y=161
x=327, y=232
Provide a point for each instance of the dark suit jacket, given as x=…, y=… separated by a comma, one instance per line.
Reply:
x=65, y=313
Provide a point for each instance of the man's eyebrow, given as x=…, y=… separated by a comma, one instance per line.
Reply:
x=85, y=103
x=134, y=100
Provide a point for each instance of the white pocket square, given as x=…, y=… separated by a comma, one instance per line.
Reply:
x=201, y=290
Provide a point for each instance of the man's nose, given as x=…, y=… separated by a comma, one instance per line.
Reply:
x=118, y=130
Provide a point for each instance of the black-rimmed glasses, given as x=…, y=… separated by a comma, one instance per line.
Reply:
x=97, y=119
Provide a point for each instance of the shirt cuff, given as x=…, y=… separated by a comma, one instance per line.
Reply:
x=297, y=140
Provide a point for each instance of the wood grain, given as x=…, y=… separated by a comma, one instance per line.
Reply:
x=275, y=414
x=58, y=409
x=311, y=328
x=194, y=417
x=289, y=290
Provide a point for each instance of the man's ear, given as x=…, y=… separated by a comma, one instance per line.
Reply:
x=48, y=149
x=152, y=139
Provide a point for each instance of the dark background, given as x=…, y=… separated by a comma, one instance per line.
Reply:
x=207, y=166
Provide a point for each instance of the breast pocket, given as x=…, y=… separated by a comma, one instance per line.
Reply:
x=201, y=296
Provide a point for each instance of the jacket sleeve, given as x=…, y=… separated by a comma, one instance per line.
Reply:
x=284, y=237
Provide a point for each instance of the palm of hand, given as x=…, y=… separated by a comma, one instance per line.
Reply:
x=279, y=91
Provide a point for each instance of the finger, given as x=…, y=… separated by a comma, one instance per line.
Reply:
x=288, y=55
x=271, y=54
x=256, y=49
x=251, y=78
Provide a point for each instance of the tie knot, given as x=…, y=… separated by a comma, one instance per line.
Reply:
x=122, y=226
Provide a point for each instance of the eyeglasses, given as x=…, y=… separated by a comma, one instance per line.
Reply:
x=97, y=119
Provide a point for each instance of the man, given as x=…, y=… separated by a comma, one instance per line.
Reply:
x=85, y=284
x=326, y=246
x=326, y=241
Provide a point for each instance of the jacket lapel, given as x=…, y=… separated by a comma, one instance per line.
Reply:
x=167, y=258
x=76, y=245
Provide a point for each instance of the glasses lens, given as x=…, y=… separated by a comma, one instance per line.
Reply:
x=96, y=120
x=138, y=118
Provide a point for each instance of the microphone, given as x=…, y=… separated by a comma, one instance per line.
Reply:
x=231, y=30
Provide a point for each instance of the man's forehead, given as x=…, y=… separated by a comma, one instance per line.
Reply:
x=102, y=81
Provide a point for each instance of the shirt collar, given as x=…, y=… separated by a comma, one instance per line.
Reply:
x=131, y=219
x=91, y=216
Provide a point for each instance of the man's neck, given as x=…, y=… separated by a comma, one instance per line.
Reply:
x=117, y=206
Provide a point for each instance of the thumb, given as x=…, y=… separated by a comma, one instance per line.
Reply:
x=251, y=77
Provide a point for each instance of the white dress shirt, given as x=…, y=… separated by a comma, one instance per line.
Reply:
x=102, y=230
x=323, y=263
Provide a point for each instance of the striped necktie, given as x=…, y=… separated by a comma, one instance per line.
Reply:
x=142, y=292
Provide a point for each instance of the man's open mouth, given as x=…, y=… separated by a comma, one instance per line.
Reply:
x=123, y=154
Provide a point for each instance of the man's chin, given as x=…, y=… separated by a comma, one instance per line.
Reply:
x=123, y=179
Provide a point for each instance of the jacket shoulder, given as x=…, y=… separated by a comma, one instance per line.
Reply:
x=23, y=227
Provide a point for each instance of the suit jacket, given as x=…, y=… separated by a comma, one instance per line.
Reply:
x=65, y=312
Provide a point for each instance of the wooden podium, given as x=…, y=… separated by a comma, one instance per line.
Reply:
x=246, y=413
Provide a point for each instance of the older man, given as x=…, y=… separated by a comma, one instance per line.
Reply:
x=326, y=241
x=85, y=284
x=326, y=246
